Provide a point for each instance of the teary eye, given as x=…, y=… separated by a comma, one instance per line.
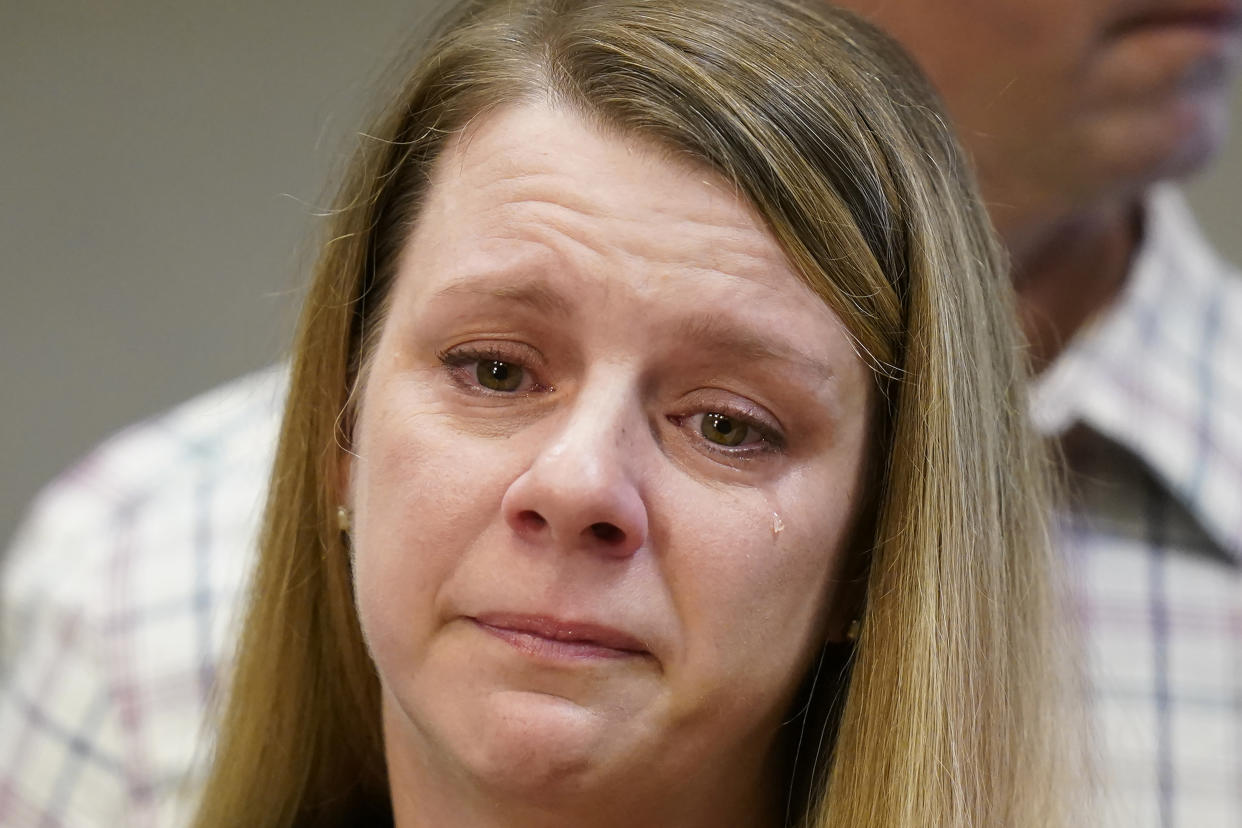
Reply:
x=496, y=375
x=723, y=430
x=498, y=369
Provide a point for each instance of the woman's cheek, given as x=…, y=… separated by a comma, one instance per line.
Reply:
x=772, y=574
x=400, y=552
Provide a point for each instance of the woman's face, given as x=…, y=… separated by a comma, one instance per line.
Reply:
x=606, y=459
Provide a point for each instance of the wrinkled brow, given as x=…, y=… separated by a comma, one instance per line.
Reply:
x=717, y=333
x=535, y=295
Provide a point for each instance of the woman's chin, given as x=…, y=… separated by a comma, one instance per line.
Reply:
x=540, y=742
x=531, y=745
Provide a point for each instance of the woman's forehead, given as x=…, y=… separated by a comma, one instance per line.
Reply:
x=532, y=169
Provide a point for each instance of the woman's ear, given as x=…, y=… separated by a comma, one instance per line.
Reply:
x=345, y=430
x=344, y=476
x=848, y=597
x=845, y=609
x=345, y=460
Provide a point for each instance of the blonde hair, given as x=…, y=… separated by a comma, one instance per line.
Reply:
x=953, y=710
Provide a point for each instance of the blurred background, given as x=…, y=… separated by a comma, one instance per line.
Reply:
x=160, y=167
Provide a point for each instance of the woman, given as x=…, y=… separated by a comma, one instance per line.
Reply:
x=659, y=349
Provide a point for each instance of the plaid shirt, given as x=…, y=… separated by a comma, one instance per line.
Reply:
x=120, y=591
x=1148, y=399
x=118, y=601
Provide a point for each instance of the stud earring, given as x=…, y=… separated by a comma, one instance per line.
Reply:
x=851, y=633
x=344, y=520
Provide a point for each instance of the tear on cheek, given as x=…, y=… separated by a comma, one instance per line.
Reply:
x=778, y=524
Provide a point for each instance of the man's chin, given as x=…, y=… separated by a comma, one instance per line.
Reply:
x=1170, y=143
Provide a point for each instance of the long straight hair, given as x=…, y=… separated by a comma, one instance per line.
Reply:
x=956, y=710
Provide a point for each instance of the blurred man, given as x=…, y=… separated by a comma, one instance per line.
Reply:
x=1073, y=111
x=1078, y=113
x=120, y=588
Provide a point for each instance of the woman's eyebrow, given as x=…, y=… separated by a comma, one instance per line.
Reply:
x=708, y=331
x=716, y=333
x=534, y=294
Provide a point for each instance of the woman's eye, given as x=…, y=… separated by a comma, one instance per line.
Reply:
x=726, y=431
x=501, y=370
x=499, y=376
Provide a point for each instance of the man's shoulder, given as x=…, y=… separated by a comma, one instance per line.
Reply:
x=206, y=432
x=199, y=467
x=209, y=435
x=1180, y=263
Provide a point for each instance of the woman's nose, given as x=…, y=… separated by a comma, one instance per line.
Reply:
x=580, y=492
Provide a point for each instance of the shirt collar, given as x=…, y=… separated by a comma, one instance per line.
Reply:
x=1159, y=371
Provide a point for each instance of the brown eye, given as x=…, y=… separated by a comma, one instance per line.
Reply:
x=499, y=376
x=723, y=430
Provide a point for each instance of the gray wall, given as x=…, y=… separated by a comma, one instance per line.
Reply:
x=159, y=166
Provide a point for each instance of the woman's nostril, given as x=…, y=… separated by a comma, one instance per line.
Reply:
x=532, y=520
x=607, y=533
x=530, y=523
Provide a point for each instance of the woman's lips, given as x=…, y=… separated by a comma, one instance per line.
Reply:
x=547, y=637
